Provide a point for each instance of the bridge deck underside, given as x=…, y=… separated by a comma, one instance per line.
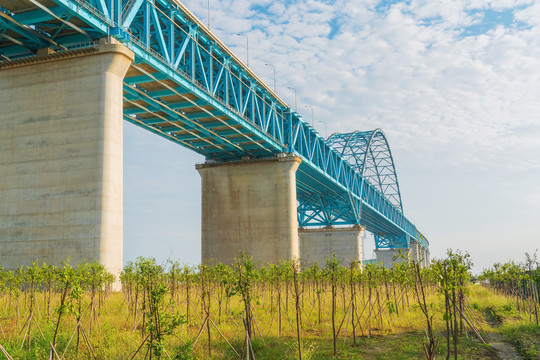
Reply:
x=164, y=107
x=30, y=23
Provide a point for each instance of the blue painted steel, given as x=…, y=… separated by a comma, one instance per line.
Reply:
x=188, y=87
x=391, y=241
x=369, y=153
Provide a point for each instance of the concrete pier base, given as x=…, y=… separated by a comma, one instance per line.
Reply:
x=318, y=244
x=386, y=256
x=249, y=206
x=414, y=252
x=61, y=157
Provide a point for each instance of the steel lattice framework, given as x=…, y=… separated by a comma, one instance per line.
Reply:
x=368, y=152
x=188, y=87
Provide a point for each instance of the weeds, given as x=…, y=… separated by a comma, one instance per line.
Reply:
x=331, y=313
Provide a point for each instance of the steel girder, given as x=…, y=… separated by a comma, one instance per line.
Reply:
x=397, y=242
x=190, y=88
x=391, y=241
x=325, y=210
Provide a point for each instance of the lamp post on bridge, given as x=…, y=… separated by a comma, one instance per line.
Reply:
x=208, y=14
x=311, y=107
x=273, y=67
x=295, y=104
x=247, y=47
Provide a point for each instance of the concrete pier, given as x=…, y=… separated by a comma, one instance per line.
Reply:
x=318, y=244
x=414, y=252
x=250, y=206
x=419, y=253
x=386, y=256
x=61, y=157
x=426, y=260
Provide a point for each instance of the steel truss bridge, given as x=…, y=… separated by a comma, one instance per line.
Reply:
x=188, y=87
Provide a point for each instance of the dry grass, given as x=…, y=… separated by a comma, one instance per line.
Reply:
x=116, y=333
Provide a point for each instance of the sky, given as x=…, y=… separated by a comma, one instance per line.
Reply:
x=454, y=84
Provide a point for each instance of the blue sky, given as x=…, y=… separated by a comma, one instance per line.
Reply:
x=455, y=85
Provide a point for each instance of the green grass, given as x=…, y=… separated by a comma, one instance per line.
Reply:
x=503, y=317
x=115, y=336
x=525, y=338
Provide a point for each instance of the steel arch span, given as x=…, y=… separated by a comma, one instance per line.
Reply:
x=368, y=152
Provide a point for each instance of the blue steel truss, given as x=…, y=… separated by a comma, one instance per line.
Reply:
x=391, y=241
x=188, y=87
x=368, y=152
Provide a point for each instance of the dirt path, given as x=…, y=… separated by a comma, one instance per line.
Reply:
x=505, y=351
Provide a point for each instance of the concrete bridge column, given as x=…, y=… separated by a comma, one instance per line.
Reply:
x=415, y=252
x=386, y=256
x=318, y=244
x=426, y=257
x=61, y=157
x=419, y=253
x=250, y=206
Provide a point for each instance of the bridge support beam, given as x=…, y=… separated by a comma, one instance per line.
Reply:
x=249, y=206
x=61, y=157
x=318, y=244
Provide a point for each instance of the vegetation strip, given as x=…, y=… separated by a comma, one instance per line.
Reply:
x=226, y=312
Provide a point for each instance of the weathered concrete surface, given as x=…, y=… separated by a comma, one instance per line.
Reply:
x=250, y=206
x=61, y=157
x=426, y=259
x=419, y=254
x=386, y=256
x=318, y=244
x=415, y=252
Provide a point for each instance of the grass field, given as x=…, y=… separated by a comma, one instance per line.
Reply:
x=389, y=323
